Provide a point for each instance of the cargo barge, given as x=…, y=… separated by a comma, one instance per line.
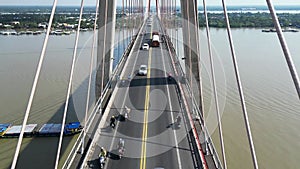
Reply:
x=31, y=130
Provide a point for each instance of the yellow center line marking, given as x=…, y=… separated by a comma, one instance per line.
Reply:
x=145, y=124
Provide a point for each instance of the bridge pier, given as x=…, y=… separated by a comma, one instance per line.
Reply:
x=106, y=33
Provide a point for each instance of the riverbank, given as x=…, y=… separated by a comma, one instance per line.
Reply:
x=66, y=18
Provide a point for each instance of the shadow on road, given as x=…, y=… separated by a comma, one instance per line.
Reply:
x=114, y=155
x=173, y=126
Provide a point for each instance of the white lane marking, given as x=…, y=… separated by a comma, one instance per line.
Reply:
x=123, y=104
x=105, y=114
x=172, y=117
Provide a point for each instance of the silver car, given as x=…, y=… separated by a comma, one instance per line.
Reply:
x=143, y=70
x=145, y=46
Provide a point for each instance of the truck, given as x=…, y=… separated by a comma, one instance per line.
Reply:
x=155, y=41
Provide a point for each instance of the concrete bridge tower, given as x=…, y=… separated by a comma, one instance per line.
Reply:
x=106, y=33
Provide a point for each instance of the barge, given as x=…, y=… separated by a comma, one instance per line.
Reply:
x=31, y=130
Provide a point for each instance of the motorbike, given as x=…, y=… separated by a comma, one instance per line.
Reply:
x=125, y=114
x=102, y=160
x=121, y=147
x=178, y=121
x=121, y=151
x=169, y=76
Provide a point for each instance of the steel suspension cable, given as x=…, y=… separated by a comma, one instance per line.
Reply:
x=162, y=12
x=240, y=89
x=214, y=86
x=190, y=52
x=130, y=18
x=143, y=12
x=284, y=47
x=34, y=85
x=90, y=76
x=172, y=26
x=135, y=14
x=176, y=29
x=103, y=52
x=123, y=22
x=195, y=10
x=128, y=21
x=167, y=16
x=69, y=88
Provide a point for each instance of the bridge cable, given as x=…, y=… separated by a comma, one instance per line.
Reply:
x=162, y=14
x=213, y=78
x=196, y=27
x=284, y=47
x=143, y=12
x=90, y=75
x=36, y=78
x=123, y=22
x=190, y=59
x=69, y=87
x=136, y=17
x=165, y=13
x=127, y=23
x=242, y=99
x=103, y=52
x=172, y=26
x=133, y=13
x=189, y=44
x=130, y=14
x=176, y=29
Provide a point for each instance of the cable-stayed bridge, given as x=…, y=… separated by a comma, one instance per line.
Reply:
x=170, y=88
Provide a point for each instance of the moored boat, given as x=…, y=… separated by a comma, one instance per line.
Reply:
x=31, y=130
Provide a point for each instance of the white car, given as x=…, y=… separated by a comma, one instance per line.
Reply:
x=143, y=70
x=145, y=46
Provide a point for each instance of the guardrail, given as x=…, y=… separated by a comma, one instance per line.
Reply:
x=208, y=140
x=99, y=104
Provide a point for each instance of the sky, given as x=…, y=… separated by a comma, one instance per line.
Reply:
x=92, y=2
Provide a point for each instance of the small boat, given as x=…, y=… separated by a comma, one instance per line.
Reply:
x=290, y=30
x=66, y=32
x=4, y=128
x=268, y=30
x=83, y=29
x=21, y=33
x=29, y=32
x=58, y=32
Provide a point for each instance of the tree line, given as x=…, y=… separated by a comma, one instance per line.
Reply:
x=237, y=20
x=250, y=20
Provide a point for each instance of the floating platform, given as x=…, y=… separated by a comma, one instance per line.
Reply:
x=16, y=130
x=50, y=129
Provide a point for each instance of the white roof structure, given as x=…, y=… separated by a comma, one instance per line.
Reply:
x=155, y=38
x=17, y=129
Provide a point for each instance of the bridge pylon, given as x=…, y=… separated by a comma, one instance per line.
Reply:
x=191, y=46
x=106, y=33
x=149, y=5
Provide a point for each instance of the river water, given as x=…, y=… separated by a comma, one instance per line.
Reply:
x=19, y=57
x=272, y=102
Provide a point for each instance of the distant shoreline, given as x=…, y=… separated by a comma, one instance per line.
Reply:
x=36, y=17
x=211, y=7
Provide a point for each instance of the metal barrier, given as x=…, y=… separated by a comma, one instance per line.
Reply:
x=178, y=67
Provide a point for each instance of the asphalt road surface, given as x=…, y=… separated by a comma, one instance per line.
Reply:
x=152, y=137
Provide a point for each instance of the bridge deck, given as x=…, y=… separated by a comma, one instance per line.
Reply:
x=152, y=138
